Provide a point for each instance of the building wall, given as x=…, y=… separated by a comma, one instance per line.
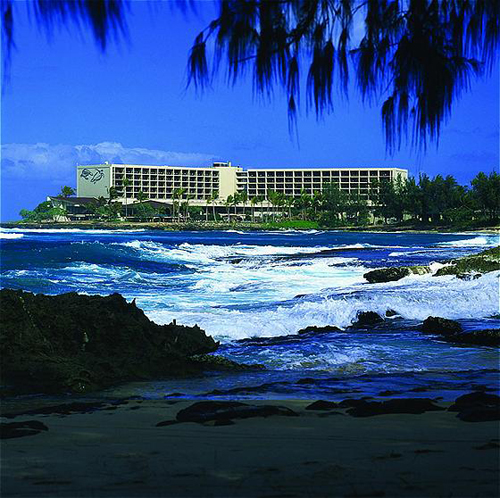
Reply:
x=292, y=182
x=228, y=180
x=93, y=181
x=160, y=182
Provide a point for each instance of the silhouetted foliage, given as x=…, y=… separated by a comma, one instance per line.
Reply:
x=417, y=55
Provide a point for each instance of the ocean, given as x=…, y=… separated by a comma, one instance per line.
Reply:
x=253, y=291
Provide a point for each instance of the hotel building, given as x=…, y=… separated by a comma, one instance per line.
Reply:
x=159, y=183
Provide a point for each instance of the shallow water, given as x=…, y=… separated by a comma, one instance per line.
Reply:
x=267, y=286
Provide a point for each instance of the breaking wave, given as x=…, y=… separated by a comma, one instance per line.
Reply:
x=490, y=240
x=9, y=235
x=414, y=298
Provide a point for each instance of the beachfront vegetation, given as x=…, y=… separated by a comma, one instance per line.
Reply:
x=438, y=201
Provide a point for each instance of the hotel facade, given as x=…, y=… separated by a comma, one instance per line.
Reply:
x=221, y=180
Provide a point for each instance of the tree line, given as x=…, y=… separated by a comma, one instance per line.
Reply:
x=438, y=200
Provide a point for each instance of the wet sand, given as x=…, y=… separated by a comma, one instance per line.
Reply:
x=118, y=451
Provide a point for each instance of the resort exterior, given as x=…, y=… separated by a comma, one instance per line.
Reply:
x=213, y=185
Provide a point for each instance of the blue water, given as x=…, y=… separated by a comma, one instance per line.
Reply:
x=253, y=291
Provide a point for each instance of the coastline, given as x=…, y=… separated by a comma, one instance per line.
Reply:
x=202, y=226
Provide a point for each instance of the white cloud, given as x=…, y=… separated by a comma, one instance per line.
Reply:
x=57, y=162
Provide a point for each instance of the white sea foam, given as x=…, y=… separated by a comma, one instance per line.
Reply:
x=9, y=235
x=447, y=297
x=486, y=240
x=206, y=253
x=28, y=231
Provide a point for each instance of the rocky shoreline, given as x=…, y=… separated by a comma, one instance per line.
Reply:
x=466, y=268
x=71, y=343
x=76, y=343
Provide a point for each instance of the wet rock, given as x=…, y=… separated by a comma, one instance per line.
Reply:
x=367, y=319
x=350, y=403
x=483, y=337
x=64, y=409
x=469, y=276
x=322, y=405
x=77, y=343
x=479, y=414
x=441, y=326
x=217, y=362
x=403, y=405
x=483, y=262
x=12, y=430
x=319, y=330
x=387, y=274
x=475, y=399
x=205, y=411
x=394, y=273
x=390, y=313
x=451, y=331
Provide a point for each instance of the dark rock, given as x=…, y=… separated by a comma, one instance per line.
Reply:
x=217, y=362
x=491, y=445
x=349, y=403
x=204, y=411
x=391, y=313
x=167, y=423
x=64, y=409
x=20, y=429
x=452, y=331
x=479, y=414
x=484, y=337
x=386, y=274
x=322, y=405
x=404, y=405
x=441, y=326
x=475, y=399
x=79, y=343
x=312, y=329
x=469, y=276
x=367, y=319
x=483, y=262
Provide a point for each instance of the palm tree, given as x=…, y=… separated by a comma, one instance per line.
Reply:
x=141, y=196
x=186, y=205
x=290, y=201
x=304, y=202
x=317, y=199
x=273, y=198
x=113, y=194
x=126, y=183
x=243, y=195
x=213, y=198
x=207, y=203
x=262, y=199
x=253, y=201
x=67, y=192
x=228, y=202
x=236, y=200
x=177, y=195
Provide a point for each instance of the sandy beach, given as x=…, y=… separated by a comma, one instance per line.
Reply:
x=119, y=451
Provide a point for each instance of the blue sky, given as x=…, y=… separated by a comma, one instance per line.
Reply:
x=66, y=102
